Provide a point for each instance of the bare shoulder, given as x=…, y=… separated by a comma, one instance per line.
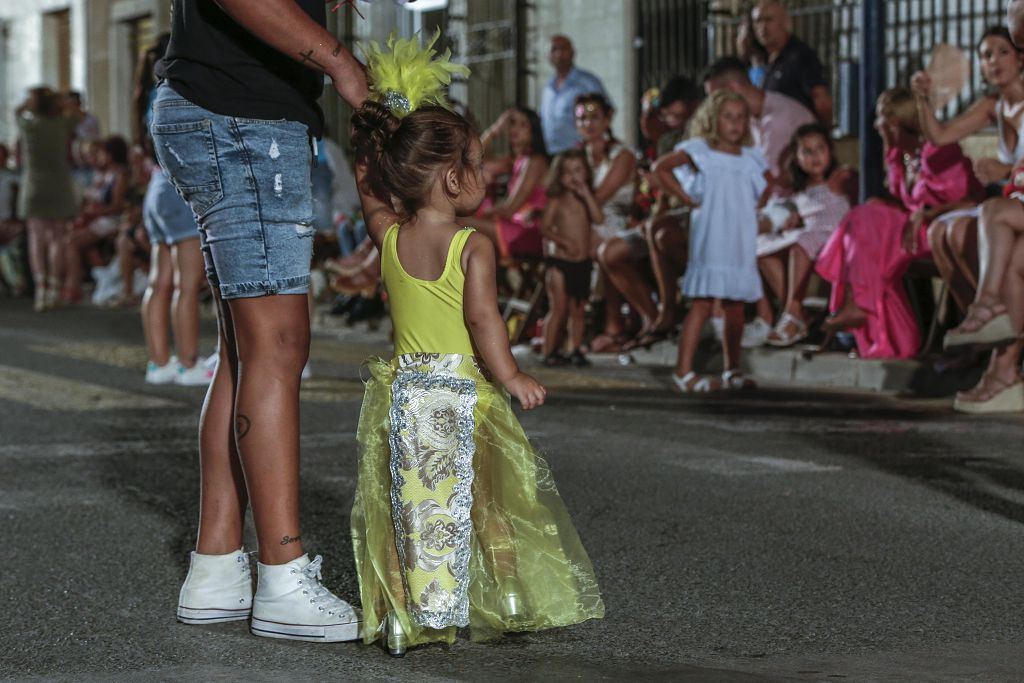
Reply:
x=479, y=251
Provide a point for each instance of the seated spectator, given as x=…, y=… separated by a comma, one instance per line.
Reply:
x=823, y=193
x=133, y=253
x=866, y=258
x=793, y=68
x=567, y=225
x=614, y=166
x=954, y=236
x=664, y=230
x=99, y=218
x=996, y=317
x=558, y=102
x=513, y=223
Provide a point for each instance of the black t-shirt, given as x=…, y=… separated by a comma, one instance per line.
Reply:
x=215, y=63
x=796, y=72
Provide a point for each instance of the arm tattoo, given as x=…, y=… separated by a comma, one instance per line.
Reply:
x=336, y=51
x=242, y=426
x=290, y=539
x=307, y=58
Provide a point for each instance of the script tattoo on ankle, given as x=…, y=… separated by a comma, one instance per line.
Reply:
x=290, y=539
x=242, y=426
x=307, y=58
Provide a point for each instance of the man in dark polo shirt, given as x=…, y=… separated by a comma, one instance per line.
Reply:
x=233, y=125
x=793, y=66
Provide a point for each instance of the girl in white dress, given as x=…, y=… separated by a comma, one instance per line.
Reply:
x=724, y=179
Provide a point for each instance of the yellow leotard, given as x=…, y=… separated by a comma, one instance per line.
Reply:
x=427, y=314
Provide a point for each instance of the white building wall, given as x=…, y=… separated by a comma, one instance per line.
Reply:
x=28, y=59
x=603, y=32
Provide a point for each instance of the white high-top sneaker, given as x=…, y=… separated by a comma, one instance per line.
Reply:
x=291, y=603
x=217, y=588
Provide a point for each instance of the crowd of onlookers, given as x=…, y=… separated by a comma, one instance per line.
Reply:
x=717, y=226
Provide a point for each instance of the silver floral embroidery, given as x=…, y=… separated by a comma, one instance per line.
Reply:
x=431, y=438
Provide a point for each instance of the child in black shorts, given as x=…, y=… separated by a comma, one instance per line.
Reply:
x=566, y=226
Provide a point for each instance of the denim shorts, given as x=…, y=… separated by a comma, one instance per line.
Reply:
x=167, y=217
x=248, y=183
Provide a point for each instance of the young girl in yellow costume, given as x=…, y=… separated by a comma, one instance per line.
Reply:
x=456, y=520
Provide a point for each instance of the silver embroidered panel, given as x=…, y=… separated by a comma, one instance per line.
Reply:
x=431, y=439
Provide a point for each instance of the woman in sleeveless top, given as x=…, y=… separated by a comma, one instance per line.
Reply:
x=614, y=167
x=954, y=236
x=513, y=223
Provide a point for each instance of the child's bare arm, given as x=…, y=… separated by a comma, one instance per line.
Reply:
x=377, y=215
x=594, y=211
x=486, y=326
x=768, y=190
x=663, y=168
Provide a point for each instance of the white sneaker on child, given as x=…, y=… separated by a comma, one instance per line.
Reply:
x=162, y=374
x=292, y=604
x=217, y=588
x=212, y=361
x=755, y=333
x=196, y=376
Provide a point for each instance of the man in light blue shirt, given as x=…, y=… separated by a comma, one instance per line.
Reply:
x=556, y=105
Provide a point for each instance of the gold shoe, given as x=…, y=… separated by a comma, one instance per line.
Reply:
x=397, y=641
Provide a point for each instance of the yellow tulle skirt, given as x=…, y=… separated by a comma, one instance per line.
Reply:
x=455, y=510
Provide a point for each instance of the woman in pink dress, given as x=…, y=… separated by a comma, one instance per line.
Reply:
x=866, y=258
x=513, y=224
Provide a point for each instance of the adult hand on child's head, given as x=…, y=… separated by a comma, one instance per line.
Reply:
x=527, y=390
x=921, y=84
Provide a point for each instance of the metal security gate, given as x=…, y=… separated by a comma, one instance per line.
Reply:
x=671, y=39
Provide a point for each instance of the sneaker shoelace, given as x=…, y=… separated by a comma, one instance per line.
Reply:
x=320, y=597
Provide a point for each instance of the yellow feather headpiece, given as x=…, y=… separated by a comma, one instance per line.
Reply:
x=405, y=77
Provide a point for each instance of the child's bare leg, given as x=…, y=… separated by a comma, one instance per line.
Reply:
x=773, y=270
x=554, y=323
x=800, y=265
x=156, y=305
x=733, y=334
x=693, y=324
x=577, y=322
x=189, y=280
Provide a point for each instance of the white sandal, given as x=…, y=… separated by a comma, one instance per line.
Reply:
x=737, y=381
x=686, y=384
x=781, y=339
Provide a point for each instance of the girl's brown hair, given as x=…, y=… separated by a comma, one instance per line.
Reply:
x=555, y=188
x=705, y=121
x=405, y=155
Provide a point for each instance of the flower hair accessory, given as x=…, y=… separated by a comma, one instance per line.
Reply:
x=404, y=77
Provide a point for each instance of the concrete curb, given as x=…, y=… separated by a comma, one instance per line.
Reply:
x=834, y=370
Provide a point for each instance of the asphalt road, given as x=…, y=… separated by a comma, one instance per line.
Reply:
x=775, y=535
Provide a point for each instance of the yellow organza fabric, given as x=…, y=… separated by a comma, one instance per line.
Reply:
x=523, y=540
